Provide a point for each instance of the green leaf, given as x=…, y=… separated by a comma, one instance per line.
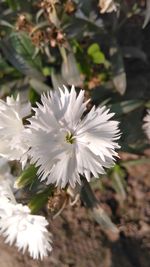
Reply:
x=118, y=175
x=135, y=162
x=99, y=58
x=57, y=80
x=125, y=107
x=118, y=71
x=47, y=71
x=69, y=70
x=39, y=86
x=103, y=219
x=4, y=67
x=6, y=24
x=33, y=96
x=97, y=55
x=96, y=211
x=82, y=59
x=93, y=49
x=19, y=51
x=13, y=4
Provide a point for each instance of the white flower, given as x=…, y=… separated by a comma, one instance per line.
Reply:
x=146, y=125
x=26, y=230
x=12, y=144
x=63, y=145
x=6, y=191
x=16, y=222
x=7, y=199
x=6, y=183
x=5, y=208
x=107, y=6
x=4, y=166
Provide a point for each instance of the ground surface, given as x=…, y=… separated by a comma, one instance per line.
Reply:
x=79, y=242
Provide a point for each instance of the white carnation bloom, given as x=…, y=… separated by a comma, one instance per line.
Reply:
x=26, y=230
x=107, y=6
x=12, y=144
x=146, y=125
x=64, y=145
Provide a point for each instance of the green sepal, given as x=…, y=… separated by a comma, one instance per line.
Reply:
x=40, y=199
x=27, y=177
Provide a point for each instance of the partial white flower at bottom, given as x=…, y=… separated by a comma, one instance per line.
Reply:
x=64, y=144
x=146, y=125
x=12, y=143
x=19, y=226
x=27, y=231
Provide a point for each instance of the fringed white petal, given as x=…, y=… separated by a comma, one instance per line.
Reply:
x=13, y=145
x=64, y=145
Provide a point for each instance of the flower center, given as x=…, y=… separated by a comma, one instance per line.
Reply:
x=70, y=138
